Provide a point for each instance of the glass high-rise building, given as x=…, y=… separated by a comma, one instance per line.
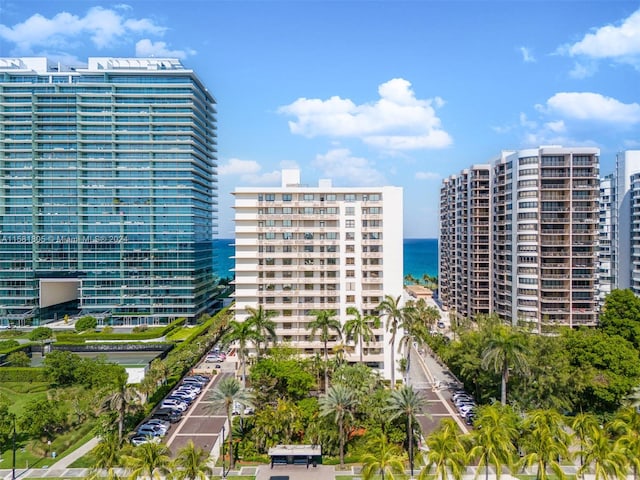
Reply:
x=107, y=190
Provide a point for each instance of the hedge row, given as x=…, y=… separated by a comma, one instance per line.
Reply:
x=22, y=374
x=149, y=334
x=6, y=345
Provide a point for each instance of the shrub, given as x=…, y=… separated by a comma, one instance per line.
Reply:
x=6, y=345
x=19, y=359
x=22, y=374
x=86, y=323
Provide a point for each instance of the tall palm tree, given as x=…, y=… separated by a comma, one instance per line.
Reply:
x=545, y=442
x=228, y=392
x=106, y=455
x=505, y=351
x=326, y=323
x=445, y=453
x=626, y=427
x=606, y=456
x=339, y=402
x=406, y=401
x=242, y=333
x=263, y=325
x=123, y=399
x=493, y=438
x=359, y=328
x=391, y=309
x=192, y=463
x=382, y=458
x=150, y=460
x=585, y=427
x=414, y=332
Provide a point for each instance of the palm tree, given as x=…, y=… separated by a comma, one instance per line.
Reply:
x=192, y=463
x=382, y=458
x=339, y=402
x=585, y=426
x=325, y=322
x=390, y=308
x=445, y=453
x=493, y=438
x=151, y=460
x=359, y=328
x=263, y=325
x=505, y=350
x=106, y=455
x=545, y=442
x=608, y=457
x=228, y=392
x=242, y=333
x=626, y=425
x=406, y=401
x=122, y=400
x=414, y=332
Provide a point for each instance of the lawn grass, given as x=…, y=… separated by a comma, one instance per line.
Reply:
x=21, y=392
x=179, y=334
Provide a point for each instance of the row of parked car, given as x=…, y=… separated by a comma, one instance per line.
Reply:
x=170, y=410
x=465, y=404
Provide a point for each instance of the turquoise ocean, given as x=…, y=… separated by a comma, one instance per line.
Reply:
x=420, y=257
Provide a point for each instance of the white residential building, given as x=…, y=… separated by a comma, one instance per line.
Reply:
x=302, y=249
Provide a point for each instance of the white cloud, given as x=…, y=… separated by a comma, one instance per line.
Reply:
x=592, y=106
x=397, y=121
x=557, y=126
x=618, y=42
x=340, y=164
x=427, y=176
x=249, y=172
x=148, y=48
x=527, y=56
x=581, y=70
x=103, y=26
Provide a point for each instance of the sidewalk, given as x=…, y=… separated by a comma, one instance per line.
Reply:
x=65, y=462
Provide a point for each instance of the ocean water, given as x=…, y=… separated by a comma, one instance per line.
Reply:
x=420, y=257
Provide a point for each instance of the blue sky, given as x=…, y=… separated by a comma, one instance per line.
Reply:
x=372, y=92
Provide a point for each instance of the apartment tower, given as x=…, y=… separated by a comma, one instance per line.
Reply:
x=107, y=190
x=303, y=249
x=544, y=214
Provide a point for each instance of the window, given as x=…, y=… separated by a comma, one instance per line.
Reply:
x=374, y=197
x=286, y=223
x=332, y=235
x=270, y=236
x=351, y=286
x=286, y=197
x=286, y=261
x=350, y=211
x=349, y=197
x=287, y=236
x=351, y=273
x=350, y=223
x=308, y=197
x=287, y=249
x=331, y=197
x=270, y=197
x=350, y=236
x=308, y=248
x=287, y=210
x=270, y=223
x=270, y=248
x=351, y=261
x=308, y=236
x=351, y=299
x=350, y=248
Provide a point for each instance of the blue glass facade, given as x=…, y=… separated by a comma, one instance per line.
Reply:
x=107, y=190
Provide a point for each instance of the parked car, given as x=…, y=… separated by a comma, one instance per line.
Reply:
x=176, y=404
x=169, y=414
x=137, y=440
x=157, y=421
x=151, y=430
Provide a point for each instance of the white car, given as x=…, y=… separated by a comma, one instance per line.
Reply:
x=182, y=406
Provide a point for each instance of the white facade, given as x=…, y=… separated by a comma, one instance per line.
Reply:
x=607, y=253
x=302, y=249
x=627, y=164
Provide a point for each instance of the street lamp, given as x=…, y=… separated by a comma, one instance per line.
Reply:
x=223, y=474
x=13, y=463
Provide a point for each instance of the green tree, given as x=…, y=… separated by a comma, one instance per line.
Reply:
x=192, y=463
x=414, y=332
x=326, y=323
x=339, y=403
x=242, y=333
x=391, y=309
x=545, y=442
x=504, y=352
x=43, y=418
x=150, y=460
x=382, y=458
x=446, y=454
x=278, y=424
x=626, y=427
x=122, y=400
x=493, y=438
x=406, y=402
x=358, y=328
x=228, y=392
x=106, y=455
x=585, y=427
x=621, y=316
x=61, y=367
x=263, y=326
x=606, y=456
x=19, y=359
